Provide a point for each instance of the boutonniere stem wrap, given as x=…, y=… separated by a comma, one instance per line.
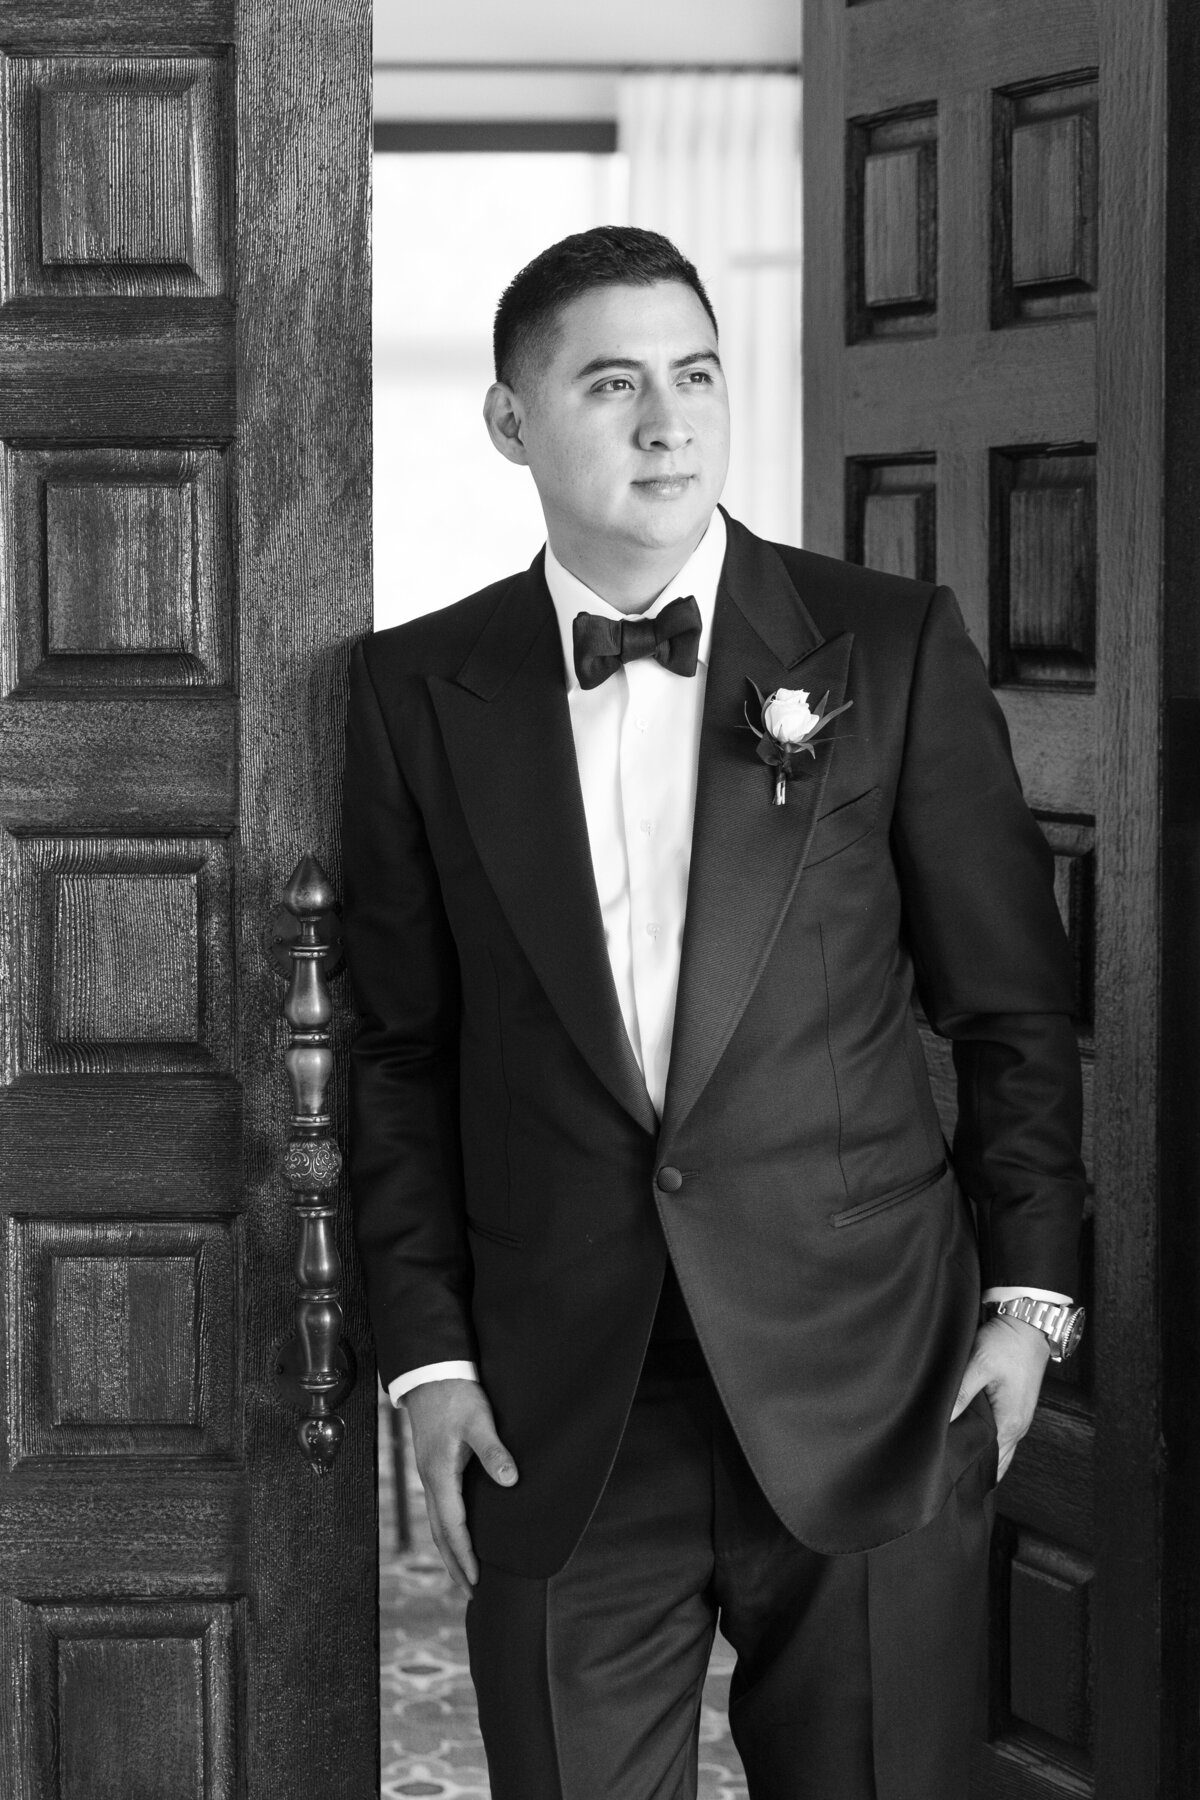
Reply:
x=788, y=725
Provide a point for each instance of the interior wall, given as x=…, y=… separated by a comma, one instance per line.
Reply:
x=669, y=33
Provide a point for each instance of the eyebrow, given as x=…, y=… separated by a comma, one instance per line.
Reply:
x=631, y=362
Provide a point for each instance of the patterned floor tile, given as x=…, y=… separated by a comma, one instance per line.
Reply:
x=429, y=1732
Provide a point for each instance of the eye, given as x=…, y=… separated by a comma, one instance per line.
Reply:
x=611, y=384
x=698, y=378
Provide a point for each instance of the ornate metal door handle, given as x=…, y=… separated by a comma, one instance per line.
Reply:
x=314, y=1367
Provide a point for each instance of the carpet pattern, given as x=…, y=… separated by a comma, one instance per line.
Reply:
x=429, y=1734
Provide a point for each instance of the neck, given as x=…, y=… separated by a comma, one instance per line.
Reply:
x=631, y=582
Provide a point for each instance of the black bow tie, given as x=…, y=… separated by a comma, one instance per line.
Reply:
x=602, y=645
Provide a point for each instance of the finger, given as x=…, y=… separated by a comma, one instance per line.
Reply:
x=450, y=1562
x=973, y=1382
x=458, y=1542
x=492, y=1454
x=1007, y=1452
x=448, y=1522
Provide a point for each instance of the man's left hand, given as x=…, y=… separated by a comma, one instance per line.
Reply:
x=1007, y=1363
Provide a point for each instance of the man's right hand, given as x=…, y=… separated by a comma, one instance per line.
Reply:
x=451, y=1422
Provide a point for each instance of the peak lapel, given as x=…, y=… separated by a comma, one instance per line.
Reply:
x=507, y=731
x=747, y=853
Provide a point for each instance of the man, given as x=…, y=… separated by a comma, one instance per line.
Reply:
x=661, y=1243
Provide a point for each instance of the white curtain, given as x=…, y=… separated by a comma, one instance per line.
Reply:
x=714, y=164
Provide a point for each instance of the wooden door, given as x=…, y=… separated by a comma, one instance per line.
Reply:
x=990, y=393
x=185, y=1610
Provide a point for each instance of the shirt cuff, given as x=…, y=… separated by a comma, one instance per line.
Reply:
x=443, y=1371
x=1020, y=1293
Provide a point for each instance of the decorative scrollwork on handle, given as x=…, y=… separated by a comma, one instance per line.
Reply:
x=314, y=1368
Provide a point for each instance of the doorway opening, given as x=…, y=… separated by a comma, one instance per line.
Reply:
x=711, y=158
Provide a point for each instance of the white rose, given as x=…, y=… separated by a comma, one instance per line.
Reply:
x=788, y=717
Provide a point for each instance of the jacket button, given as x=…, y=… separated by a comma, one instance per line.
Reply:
x=669, y=1180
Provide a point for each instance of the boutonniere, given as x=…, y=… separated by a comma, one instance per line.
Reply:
x=789, y=725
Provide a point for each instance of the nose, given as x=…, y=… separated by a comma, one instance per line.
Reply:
x=663, y=424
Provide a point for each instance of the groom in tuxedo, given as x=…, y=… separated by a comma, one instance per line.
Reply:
x=649, y=851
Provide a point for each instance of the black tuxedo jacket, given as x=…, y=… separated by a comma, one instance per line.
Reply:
x=514, y=1190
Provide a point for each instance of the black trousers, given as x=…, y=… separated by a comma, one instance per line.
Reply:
x=856, y=1676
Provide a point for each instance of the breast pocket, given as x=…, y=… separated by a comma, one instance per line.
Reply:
x=844, y=825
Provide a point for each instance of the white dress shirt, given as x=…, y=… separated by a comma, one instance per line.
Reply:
x=637, y=744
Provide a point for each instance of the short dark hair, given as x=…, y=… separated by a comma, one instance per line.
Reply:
x=608, y=256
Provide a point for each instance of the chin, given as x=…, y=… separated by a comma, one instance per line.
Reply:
x=669, y=524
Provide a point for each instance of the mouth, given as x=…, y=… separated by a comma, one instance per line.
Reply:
x=664, y=487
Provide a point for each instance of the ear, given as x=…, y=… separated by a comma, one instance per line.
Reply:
x=505, y=420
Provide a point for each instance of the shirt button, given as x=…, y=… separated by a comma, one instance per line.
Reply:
x=652, y=930
x=669, y=1180
x=646, y=826
x=640, y=721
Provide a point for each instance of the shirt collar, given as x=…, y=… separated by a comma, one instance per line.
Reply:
x=699, y=576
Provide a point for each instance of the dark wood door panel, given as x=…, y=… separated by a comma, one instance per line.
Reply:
x=80, y=373
x=962, y=289
x=892, y=52
x=135, y=24
x=147, y=1529
x=985, y=390
x=1053, y=738
x=1017, y=1772
x=1050, y=1487
x=184, y=554
x=131, y=1698
x=136, y=1146
x=170, y=765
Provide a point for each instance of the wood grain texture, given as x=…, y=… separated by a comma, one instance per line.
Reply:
x=986, y=44
x=130, y=1716
x=303, y=129
x=1130, y=473
x=138, y=1146
x=124, y=1339
x=1054, y=744
x=138, y=24
x=1180, y=1225
x=1045, y=201
x=118, y=175
x=1044, y=568
x=891, y=517
x=998, y=389
x=135, y=540
x=1015, y=1771
x=124, y=955
x=826, y=280
x=119, y=569
x=892, y=225
x=100, y=372
x=1049, y=1488
x=130, y=1702
x=1074, y=847
x=1051, y=205
x=124, y=952
x=894, y=271
x=1049, y=1612
x=123, y=1334
x=170, y=766
x=181, y=1530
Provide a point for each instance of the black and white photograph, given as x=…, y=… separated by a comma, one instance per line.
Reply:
x=599, y=900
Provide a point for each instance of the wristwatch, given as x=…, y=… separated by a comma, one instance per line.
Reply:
x=1061, y=1326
